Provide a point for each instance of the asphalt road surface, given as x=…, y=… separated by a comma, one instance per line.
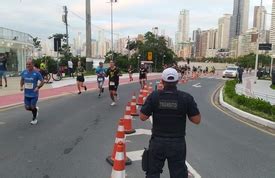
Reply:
x=76, y=133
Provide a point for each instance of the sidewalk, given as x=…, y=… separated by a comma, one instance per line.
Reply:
x=12, y=96
x=260, y=90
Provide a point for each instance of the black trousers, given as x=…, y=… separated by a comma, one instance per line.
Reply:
x=172, y=149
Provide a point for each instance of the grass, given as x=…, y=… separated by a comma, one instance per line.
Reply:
x=248, y=104
x=272, y=86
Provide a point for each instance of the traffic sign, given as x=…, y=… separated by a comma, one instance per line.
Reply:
x=265, y=46
x=150, y=56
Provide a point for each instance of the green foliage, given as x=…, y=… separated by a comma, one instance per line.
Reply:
x=272, y=86
x=37, y=43
x=51, y=64
x=255, y=106
x=156, y=45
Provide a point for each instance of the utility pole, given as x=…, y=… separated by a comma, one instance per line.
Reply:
x=65, y=20
x=258, y=42
x=128, y=48
x=88, y=32
x=112, y=31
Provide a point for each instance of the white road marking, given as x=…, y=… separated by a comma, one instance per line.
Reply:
x=141, y=132
x=198, y=85
x=137, y=156
x=2, y=123
x=192, y=170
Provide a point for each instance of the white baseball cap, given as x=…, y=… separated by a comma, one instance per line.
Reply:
x=170, y=75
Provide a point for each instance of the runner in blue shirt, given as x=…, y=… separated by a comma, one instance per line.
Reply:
x=29, y=80
x=100, y=72
x=3, y=69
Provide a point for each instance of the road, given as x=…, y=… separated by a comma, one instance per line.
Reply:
x=76, y=133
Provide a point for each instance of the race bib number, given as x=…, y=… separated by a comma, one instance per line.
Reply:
x=112, y=83
x=28, y=85
x=79, y=74
x=100, y=79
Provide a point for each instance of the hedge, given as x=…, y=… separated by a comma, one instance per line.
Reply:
x=254, y=106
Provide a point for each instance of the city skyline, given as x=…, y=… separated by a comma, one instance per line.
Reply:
x=165, y=18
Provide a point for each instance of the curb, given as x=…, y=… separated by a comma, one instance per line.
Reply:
x=244, y=114
x=154, y=77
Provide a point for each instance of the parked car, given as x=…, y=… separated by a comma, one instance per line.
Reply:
x=230, y=72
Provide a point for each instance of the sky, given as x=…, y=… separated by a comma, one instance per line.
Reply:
x=41, y=18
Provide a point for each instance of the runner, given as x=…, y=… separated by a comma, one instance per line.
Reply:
x=142, y=76
x=100, y=72
x=113, y=73
x=80, y=77
x=29, y=80
x=3, y=69
x=130, y=72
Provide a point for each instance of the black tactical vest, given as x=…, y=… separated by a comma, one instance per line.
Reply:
x=169, y=114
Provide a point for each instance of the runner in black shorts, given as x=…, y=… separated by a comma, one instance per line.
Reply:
x=80, y=77
x=113, y=73
x=142, y=76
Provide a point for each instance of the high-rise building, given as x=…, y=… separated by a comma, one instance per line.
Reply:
x=196, y=38
x=272, y=29
x=223, y=31
x=239, y=20
x=182, y=34
x=259, y=21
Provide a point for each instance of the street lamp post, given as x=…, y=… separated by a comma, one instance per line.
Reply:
x=138, y=60
x=258, y=41
x=112, y=28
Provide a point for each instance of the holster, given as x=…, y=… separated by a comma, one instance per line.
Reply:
x=145, y=160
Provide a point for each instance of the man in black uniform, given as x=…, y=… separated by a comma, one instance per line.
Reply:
x=142, y=75
x=113, y=73
x=169, y=108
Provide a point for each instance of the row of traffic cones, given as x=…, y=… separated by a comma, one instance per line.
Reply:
x=118, y=159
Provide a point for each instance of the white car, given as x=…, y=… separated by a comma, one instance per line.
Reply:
x=231, y=72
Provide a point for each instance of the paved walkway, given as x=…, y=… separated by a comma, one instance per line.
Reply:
x=259, y=90
x=11, y=95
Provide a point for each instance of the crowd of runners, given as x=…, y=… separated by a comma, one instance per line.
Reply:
x=32, y=80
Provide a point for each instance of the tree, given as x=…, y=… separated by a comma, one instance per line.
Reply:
x=158, y=46
x=37, y=44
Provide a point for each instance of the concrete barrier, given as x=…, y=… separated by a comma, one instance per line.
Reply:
x=246, y=115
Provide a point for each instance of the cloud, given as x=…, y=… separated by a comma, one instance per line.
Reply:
x=42, y=18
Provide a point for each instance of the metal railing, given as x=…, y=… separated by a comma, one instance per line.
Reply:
x=13, y=35
x=255, y=94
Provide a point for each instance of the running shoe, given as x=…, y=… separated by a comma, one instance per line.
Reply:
x=102, y=90
x=113, y=104
x=34, y=122
x=85, y=88
x=79, y=93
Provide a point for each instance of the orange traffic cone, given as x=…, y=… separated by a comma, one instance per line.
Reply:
x=127, y=120
x=134, y=98
x=118, y=170
x=128, y=109
x=145, y=93
x=134, y=109
x=120, y=137
x=140, y=100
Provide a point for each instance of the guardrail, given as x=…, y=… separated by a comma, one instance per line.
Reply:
x=255, y=94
